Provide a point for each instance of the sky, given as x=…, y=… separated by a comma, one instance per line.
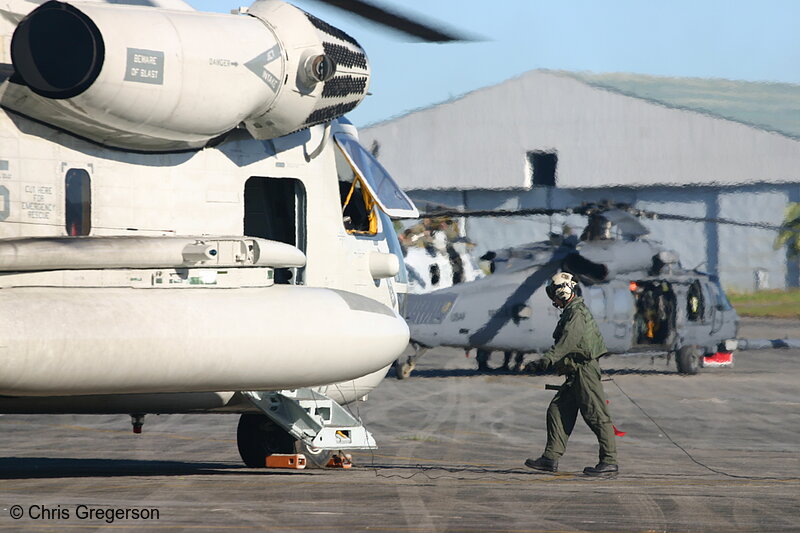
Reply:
x=731, y=39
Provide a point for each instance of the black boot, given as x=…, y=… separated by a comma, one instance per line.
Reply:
x=602, y=469
x=542, y=463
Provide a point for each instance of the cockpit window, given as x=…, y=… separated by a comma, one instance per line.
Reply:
x=394, y=246
x=695, y=304
x=358, y=207
x=388, y=195
x=722, y=298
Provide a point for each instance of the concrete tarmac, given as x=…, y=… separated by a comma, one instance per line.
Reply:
x=713, y=452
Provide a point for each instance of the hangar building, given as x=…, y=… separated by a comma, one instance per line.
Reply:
x=694, y=147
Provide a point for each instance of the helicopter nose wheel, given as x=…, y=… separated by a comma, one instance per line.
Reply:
x=688, y=360
x=403, y=369
x=257, y=436
x=404, y=365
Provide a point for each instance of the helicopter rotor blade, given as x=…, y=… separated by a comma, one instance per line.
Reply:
x=397, y=21
x=434, y=211
x=714, y=220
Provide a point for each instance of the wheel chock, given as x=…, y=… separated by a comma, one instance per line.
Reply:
x=286, y=460
x=340, y=461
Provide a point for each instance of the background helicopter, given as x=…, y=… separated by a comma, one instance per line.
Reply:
x=642, y=298
x=437, y=256
x=187, y=224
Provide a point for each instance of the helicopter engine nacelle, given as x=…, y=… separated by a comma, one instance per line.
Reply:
x=158, y=80
x=602, y=260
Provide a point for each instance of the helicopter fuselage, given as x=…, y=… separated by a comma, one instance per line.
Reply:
x=636, y=310
x=137, y=313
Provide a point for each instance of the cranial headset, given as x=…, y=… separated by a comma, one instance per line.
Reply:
x=561, y=287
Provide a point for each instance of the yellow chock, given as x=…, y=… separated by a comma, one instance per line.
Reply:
x=340, y=461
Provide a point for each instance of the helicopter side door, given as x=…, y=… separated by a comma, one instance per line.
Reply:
x=699, y=314
x=724, y=321
x=622, y=317
x=595, y=299
x=612, y=309
x=655, y=316
x=275, y=209
x=715, y=307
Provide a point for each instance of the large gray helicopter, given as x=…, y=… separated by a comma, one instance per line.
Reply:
x=641, y=297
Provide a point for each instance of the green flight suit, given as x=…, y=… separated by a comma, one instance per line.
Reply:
x=578, y=344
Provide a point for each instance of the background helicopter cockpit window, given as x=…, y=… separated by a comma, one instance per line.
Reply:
x=78, y=202
x=694, y=302
x=723, y=304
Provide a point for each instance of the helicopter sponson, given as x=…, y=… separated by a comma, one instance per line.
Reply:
x=88, y=68
x=125, y=314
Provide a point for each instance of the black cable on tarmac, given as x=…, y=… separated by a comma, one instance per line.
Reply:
x=681, y=448
x=424, y=469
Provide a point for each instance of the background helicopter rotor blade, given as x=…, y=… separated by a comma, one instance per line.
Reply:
x=761, y=225
x=433, y=211
x=397, y=21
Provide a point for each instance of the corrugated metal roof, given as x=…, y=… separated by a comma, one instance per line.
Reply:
x=766, y=105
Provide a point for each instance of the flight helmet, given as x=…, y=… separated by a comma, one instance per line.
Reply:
x=561, y=288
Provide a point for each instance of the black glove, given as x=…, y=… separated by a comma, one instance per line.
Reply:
x=580, y=358
x=565, y=366
x=536, y=367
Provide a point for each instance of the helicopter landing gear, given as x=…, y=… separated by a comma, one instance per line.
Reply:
x=403, y=369
x=403, y=366
x=298, y=421
x=315, y=457
x=688, y=360
x=482, y=357
x=257, y=436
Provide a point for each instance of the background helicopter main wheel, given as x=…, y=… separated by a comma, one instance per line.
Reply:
x=403, y=369
x=688, y=360
x=257, y=436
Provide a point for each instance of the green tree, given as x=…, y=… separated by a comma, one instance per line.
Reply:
x=789, y=236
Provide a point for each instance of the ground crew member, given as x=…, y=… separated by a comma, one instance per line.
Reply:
x=578, y=344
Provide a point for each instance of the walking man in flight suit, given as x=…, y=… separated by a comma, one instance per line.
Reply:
x=578, y=345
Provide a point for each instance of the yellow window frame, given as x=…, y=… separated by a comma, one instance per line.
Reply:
x=369, y=203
